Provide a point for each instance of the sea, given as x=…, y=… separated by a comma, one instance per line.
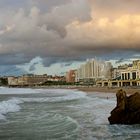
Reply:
x=59, y=114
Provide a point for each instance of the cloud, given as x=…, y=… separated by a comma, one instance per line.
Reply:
x=6, y=70
x=105, y=35
x=114, y=8
x=33, y=66
x=61, y=16
x=12, y=4
x=13, y=59
x=37, y=33
x=67, y=31
x=120, y=60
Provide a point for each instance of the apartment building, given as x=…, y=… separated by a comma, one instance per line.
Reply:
x=93, y=70
x=70, y=76
x=29, y=79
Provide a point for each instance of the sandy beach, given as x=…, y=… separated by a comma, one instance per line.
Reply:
x=90, y=90
x=128, y=90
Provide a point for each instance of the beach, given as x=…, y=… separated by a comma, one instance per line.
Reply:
x=56, y=113
x=92, y=90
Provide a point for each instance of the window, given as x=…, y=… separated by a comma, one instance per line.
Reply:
x=133, y=75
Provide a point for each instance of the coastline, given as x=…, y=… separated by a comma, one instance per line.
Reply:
x=90, y=90
x=128, y=90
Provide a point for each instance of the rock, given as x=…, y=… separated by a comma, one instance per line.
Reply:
x=127, y=110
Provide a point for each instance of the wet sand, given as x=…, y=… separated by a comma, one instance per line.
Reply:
x=91, y=90
x=128, y=90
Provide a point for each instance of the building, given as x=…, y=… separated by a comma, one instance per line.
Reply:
x=27, y=80
x=93, y=70
x=12, y=81
x=125, y=66
x=106, y=71
x=126, y=75
x=136, y=64
x=132, y=72
x=70, y=76
x=56, y=78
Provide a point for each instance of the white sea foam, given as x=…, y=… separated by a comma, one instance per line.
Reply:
x=98, y=107
x=66, y=95
x=11, y=105
x=2, y=87
x=101, y=108
x=5, y=90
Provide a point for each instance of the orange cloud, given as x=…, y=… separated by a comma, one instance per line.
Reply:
x=122, y=32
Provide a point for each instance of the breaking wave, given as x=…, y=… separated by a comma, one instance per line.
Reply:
x=11, y=105
x=54, y=95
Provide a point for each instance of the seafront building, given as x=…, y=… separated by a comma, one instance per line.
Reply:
x=56, y=78
x=116, y=72
x=93, y=70
x=29, y=79
x=33, y=80
x=126, y=75
x=70, y=76
x=101, y=73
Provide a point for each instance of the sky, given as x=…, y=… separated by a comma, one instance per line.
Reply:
x=53, y=36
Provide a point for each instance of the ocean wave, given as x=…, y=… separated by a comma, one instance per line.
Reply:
x=101, y=108
x=56, y=122
x=6, y=90
x=11, y=105
x=73, y=95
x=2, y=87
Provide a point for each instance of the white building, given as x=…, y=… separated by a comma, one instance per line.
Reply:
x=131, y=73
x=27, y=80
x=94, y=70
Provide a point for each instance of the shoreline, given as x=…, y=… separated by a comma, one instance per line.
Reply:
x=90, y=90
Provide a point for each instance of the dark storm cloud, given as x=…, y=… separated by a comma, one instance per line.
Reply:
x=37, y=33
x=68, y=30
x=13, y=59
x=6, y=70
x=66, y=60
